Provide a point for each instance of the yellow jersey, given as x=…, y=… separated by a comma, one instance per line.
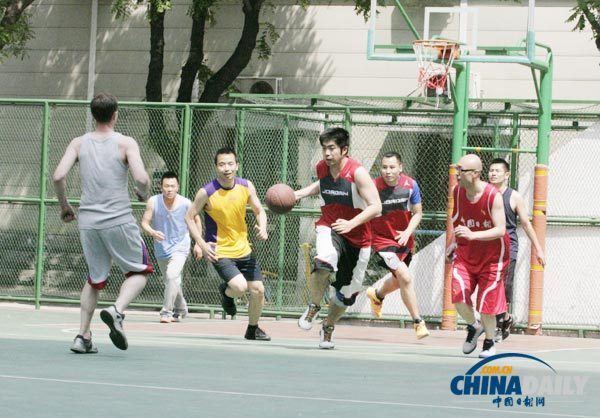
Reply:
x=225, y=221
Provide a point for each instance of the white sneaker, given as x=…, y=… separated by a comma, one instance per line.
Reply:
x=114, y=320
x=306, y=320
x=326, y=340
x=489, y=349
x=473, y=333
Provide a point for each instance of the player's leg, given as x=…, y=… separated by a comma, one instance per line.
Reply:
x=463, y=283
x=176, y=302
x=409, y=297
x=250, y=268
x=491, y=301
x=233, y=286
x=505, y=320
x=128, y=251
x=325, y=263
x=98, y=261
x=166, y=312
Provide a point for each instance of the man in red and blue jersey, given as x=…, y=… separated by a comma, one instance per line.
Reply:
x=393, y=236
x=349, y=200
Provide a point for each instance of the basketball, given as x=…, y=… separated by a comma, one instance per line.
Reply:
x=280, y=198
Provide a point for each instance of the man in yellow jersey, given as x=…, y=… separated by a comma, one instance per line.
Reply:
x=225, y=242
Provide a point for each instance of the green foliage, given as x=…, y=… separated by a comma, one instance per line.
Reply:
x=14, y=36
x=587, y=12
x=267, y=37
x=122, y=8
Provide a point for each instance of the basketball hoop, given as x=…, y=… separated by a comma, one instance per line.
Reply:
x=434, y=58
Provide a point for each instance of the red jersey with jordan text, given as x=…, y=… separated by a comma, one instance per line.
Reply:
x=477, y=216
x=340, y=200
x=396, y=203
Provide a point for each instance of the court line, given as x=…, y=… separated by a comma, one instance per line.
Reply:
x=264, y=395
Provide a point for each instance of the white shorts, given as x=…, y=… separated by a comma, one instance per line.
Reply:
x=122, y=244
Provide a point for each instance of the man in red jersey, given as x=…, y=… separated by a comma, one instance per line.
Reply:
x=393, y=236
x=480, y=254
x=349, y=200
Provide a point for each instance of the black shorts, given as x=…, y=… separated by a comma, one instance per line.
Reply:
x=248, y=266
x=394, y=255
x=509, y=280
x=347, y=259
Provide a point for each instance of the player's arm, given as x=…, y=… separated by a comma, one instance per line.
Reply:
x=197, y=250
x=310, y=190
x=147, y=219
x=259, y=213
x=194, y=224
x=496, y=231
x=368, y=191
x=527, y=227
x=138, y=171
x=417, y=215
x=59, y=178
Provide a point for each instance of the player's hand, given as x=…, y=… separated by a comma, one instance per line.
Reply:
x=141, y=197
x=197, y=251
x=451, y=252
x=158, y=235
x=208, y=251
x=462, y=231
x=67, y=214
x=541, y=258
x=261, y=232
x=342, y=226
x=297, y=196
x=402, y=237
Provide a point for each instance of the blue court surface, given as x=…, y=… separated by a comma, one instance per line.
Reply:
x=203, y=367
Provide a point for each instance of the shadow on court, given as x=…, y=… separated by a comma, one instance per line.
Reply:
x=204, y=367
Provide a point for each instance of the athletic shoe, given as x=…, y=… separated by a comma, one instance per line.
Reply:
x=82, y=346
x=489, y=349
x=114, y=320
x=506, y=325
x=473, y=333
x=326, y=334
x=421, y=329
x=498, y=334
x=306, y=320
x=255, y=333
x=177, y=317
x=227, y=302
x=166, y=318
x=376, y=304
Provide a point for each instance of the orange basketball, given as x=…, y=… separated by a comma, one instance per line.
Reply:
x=280, y=198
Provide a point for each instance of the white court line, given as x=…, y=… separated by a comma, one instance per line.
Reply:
x=264, y=395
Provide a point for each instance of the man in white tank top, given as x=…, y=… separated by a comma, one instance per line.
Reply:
x=107, y=228
x=164, y=220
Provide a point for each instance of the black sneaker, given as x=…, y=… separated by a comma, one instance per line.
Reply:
x=473, y=333
x=489, y=349
x=255, y=333
x=227, y=302
x=506, y=327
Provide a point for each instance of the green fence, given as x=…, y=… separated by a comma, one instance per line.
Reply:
x=277, y=141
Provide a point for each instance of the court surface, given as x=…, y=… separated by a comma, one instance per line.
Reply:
x=204, y=368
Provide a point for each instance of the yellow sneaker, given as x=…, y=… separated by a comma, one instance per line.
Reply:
x=376, y=304
x=421, y=330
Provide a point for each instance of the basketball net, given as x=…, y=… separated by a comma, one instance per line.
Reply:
x=434, y=59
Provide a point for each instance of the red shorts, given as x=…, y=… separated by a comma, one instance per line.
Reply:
x=489, y=282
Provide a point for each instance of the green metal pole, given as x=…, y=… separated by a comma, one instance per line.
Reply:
x=406, y=19
x=514, y=144
x=348, y=120
x=282, y=219
x=39, y=259
x=184, y=157
x=241, y=128
x=459, y=132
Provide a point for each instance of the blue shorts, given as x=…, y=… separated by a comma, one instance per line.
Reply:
x=248, y=266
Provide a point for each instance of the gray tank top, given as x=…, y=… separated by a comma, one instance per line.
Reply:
x=104, y=197
x=511, y=223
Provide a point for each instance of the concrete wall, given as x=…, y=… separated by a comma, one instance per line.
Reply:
x=322, y=50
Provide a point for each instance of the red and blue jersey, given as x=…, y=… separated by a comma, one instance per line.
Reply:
x=396, y=202
x=340, y=200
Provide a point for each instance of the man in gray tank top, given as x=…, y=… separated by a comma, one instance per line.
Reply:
x=107, y=228
x=514, y=206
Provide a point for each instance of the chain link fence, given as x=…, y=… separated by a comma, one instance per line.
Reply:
x=277, y=141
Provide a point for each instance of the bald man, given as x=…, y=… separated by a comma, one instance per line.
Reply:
x=480, y=254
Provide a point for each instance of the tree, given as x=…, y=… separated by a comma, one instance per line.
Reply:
x=15, y=29
x=587, y=12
